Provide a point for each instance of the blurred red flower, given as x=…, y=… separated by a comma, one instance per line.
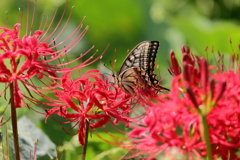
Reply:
x=175, y=122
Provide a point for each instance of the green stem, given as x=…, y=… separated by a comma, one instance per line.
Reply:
x=14, y=124
x=84, y=149
x=206, y=137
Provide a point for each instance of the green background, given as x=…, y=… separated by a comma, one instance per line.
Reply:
x=123, y=24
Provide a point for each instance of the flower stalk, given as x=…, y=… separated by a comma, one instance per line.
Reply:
x=14, y=123
x=206, y=136
x=84, y=148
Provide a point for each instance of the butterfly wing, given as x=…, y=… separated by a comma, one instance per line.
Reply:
x=129, y=80
x=140, y=56
x=137, y=70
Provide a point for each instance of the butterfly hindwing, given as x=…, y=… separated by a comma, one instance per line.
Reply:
x=129, y=80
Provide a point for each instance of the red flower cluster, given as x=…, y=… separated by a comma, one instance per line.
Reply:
x=176, y=121
x=89, y=99
x=29, y=57
x=35, y=62
x=23, y=56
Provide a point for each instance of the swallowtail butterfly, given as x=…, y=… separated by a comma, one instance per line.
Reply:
x=137, y=70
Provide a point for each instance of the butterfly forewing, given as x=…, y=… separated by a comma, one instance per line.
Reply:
x=147, y=63
x=136, y=56
x=137, y=70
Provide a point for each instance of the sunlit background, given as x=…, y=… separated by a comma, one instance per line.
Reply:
x=123, y=24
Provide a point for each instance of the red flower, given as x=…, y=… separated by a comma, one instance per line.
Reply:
x=22, y=55
x=89, y=99
x=201, y=90
x=38, y=56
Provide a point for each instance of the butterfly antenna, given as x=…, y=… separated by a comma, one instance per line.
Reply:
x=113, y=61
x=112, y=75
x=108, y=67
x=165, y=88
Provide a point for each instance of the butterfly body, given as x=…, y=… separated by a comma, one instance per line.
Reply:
x=137, y=70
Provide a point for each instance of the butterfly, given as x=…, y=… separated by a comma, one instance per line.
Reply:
x=137, y=70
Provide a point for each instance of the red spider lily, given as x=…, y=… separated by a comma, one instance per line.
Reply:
x=13, y=50
x=37, y=56
x=201, y=90
x=89, y=99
